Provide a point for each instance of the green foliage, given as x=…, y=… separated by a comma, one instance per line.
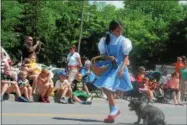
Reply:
x=154, y=27
x=9, y=19
x=147, y=26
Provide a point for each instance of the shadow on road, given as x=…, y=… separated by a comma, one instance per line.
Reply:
x=89, y=120
x=75, y=119
x=126, y=124
x=142, y=124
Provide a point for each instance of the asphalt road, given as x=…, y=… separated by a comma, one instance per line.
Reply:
x=54, y=113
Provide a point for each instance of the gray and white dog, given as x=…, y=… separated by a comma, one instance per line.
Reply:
x=151, y=115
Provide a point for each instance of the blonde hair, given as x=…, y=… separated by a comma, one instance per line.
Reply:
x=45, y=71
x=23, y=73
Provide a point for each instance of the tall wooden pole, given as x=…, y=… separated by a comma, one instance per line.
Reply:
x=82, y=18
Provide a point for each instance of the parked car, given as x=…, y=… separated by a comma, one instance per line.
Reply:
x=168, y=68
x=56, y=72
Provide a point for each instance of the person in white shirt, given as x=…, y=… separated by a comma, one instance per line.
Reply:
x=63, y=88
x=74, y=63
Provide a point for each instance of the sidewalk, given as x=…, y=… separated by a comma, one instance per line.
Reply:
x=13, y=97
x=55, y=99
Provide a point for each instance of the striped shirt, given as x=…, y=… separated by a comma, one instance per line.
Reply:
x=2, y=66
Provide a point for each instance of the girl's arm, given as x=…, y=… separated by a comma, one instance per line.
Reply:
x=66, y=82
x=39, y=81
x=42, y=80
x=29, y=69
x=47, y=79
x=79, y=60
x=7, y=67
x=178, y=83
x=27, y=65
x=125, y=62
x=51, y=81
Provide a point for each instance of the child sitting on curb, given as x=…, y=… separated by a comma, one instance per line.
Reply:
x=63, y=87
x=45, y=85
x=11, y=87
x=78, y=87
x=24, y=85
x=8, y=83
x=33, y=71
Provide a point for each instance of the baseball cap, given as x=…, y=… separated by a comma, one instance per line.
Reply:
x=63, y=73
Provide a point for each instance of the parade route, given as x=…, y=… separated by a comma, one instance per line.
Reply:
x=54, y=113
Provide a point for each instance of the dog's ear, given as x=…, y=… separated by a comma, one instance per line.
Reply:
x=136, y=101
x=140, y=101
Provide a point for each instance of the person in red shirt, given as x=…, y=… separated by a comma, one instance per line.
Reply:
x=179, y=64
x=141, y=74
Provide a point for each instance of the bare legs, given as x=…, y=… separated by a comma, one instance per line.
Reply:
x=10, y=87
x=110, y=97
x=34, y=84
x=77, y=99
x=27, y=92
x=114, y=111
x=176, y=97
x=45, y=90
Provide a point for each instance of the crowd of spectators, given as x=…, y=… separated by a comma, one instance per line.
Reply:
x=176, y=84
x=71, y=85
x=75, y=83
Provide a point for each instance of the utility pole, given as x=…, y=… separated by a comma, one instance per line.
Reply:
x=82, y=18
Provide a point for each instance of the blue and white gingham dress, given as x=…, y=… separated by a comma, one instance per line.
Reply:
x=117, y=47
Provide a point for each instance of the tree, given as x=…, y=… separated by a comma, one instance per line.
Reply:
x=177, y=43
x=10, y=18
x=154, y=27
x=147, y=23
